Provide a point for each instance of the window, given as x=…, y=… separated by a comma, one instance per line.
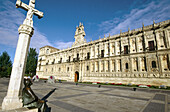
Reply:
x=77, y=56
x=102, y=53
x=59, y=69
x=151, y=45
x=125, y=49
x=127, y=67
x=108, y=48
x=87, y=68
x=153, y=64
x=52, y=70
x=67, y=69
x=47, y=62
x=47, y=51
x=69, y=58
x=60, y=60
x=88, y=55
x=53, y=61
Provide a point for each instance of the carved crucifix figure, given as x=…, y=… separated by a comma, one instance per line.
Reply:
x=31, y=10
x=13, y=98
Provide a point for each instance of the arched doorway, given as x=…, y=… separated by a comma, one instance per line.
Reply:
x=76, y=78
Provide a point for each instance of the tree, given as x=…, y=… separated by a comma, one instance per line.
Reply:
x=32, y=59
x=5, y=65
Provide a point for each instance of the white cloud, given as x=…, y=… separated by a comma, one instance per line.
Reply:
x=63, y=45
x=152, y=11
x=10, y=19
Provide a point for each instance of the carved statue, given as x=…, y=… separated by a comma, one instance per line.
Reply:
x=30, y=100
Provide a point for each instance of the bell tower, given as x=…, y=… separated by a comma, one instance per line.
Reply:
x=79, y=35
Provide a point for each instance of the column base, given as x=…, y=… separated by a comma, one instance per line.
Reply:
x=10, y=103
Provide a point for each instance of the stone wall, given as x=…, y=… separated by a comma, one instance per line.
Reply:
x=139, y=56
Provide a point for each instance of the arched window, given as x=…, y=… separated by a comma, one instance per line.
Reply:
x=87, y=68
x=153, y=64
x=127, y=67
x=59, y=69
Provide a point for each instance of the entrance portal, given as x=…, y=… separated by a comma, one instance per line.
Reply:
x=76, y=76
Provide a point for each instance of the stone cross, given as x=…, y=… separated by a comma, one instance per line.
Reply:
x=13, y=99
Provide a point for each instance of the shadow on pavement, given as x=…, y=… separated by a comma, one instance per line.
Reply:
x=45, y=99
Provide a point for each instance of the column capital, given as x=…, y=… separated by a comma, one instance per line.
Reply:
x=25, y=29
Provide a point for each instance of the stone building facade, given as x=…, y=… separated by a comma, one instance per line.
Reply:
x=139, y=56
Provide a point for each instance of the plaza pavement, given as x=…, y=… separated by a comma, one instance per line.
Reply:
x=68, y=97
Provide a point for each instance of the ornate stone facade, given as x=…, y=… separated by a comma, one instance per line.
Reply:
x=139, y=56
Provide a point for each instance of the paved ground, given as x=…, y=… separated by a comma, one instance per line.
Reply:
x=68, y=97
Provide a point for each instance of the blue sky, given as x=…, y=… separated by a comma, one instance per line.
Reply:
x=57, y=27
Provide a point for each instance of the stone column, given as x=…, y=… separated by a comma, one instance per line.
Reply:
x=13, y=98
x=111, y=49
x=111, y=67
x=116, y=68
x=99, y=66
x=117, y=48
x=91, y=66
x=96, y=51
x=118, y=64
x=132, y=64
x=164, y=62
x=106, y=49
x=139, y=64
x=101, y=48
x=106, y=66
x=158, y=40
x=167, y=40
x=80, y=72
x=96, y=66
x=102, y=66
x=91, y=52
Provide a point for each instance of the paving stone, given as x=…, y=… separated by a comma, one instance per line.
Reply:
x=155, y=107
x=69, y=107
x=70, y=96
x=160, y=97
x=126, y=97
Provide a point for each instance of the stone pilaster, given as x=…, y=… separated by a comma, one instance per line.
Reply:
x=96, y=66
x=106, y=66
x=96, y=51
x=167, y=38
x=91, y=52
x=99, y=65
x=111, y=65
